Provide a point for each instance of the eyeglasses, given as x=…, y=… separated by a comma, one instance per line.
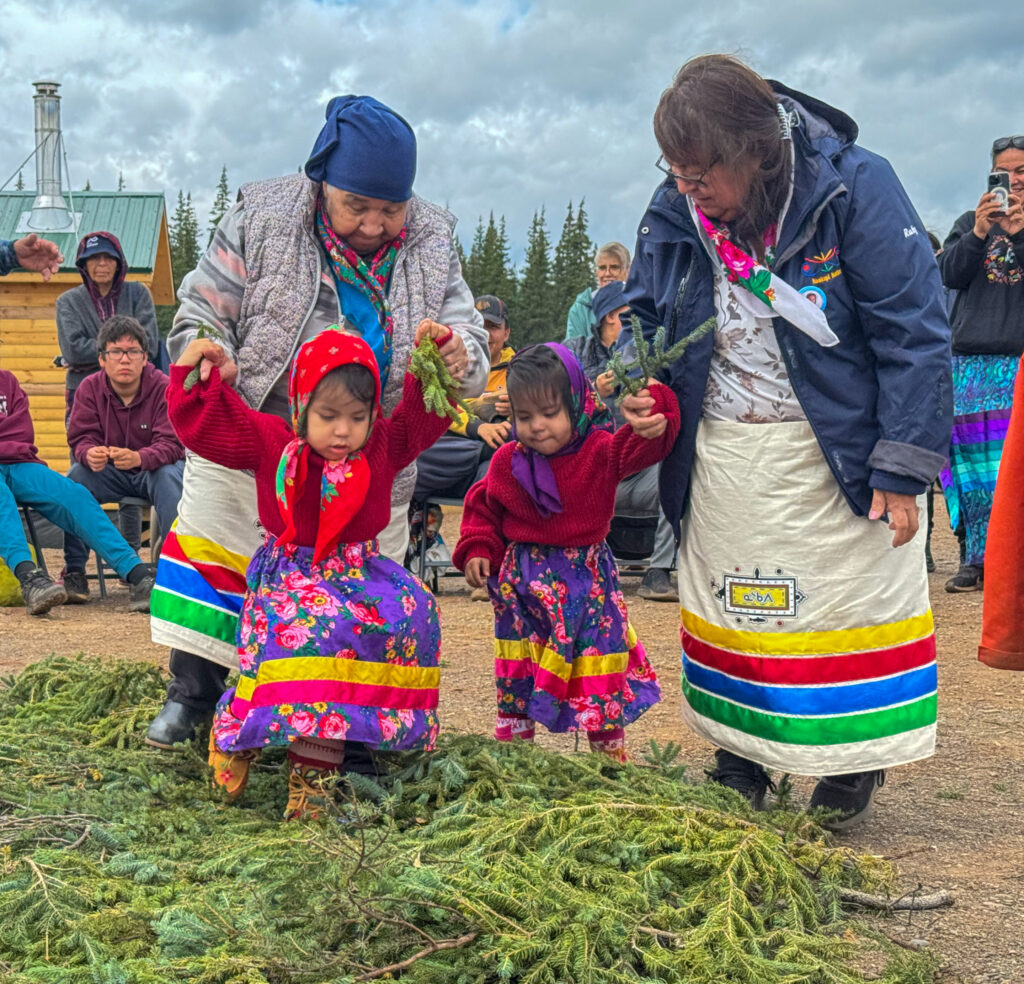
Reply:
x=662, y=165
x=121, y=354
x=1005, y=143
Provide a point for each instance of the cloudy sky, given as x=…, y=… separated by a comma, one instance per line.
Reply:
x=516, y=104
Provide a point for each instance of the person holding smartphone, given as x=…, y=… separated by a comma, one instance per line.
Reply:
x=981, y=259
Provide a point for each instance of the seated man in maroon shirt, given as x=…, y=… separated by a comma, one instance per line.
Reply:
x=121, y=439
x=25, y=480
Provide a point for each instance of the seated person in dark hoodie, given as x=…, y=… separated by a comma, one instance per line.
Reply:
x=104, y=293
x=26, y=480
x=121, y=439
x=637, y=494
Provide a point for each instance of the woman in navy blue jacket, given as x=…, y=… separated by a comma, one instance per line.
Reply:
x=814, y=415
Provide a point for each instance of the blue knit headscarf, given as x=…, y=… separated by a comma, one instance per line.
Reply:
x=366, y=148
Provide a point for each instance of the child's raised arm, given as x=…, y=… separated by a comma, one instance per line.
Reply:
x=212, y=420
x=412, y=428
x=652, y=418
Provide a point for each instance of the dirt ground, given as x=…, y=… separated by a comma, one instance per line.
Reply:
x=955, y=821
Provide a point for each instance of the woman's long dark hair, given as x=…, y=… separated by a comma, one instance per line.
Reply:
x=720, y=110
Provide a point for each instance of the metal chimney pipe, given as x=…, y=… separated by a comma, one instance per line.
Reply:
x=49, y=210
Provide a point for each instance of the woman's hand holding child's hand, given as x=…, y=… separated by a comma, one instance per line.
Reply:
x=206, y=354
x=637, y=411
x=478, y=570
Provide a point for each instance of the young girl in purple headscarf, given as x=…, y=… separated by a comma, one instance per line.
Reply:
x=533, y=530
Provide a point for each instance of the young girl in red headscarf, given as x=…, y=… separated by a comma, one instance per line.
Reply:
x=336, y=644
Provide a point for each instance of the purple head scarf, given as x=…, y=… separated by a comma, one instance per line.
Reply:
x=531, y=469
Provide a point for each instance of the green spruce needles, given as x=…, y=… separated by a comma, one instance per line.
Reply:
x=479, y=863
x=440, y=387
x=631, y=377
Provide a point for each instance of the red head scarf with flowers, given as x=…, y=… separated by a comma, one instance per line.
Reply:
x=344, y=484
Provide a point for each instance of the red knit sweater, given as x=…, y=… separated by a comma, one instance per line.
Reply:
x=214, y=421
x=498, y=511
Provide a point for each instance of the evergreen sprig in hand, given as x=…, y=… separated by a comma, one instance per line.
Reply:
x=650, y=358
x=205, y=331
x=440, y=387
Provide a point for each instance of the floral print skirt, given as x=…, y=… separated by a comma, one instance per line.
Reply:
x=343, y=650
x=565, y=653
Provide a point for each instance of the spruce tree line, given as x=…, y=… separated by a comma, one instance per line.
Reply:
x=540, y=294
x=185, y=236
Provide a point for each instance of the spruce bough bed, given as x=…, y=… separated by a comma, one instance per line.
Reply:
x=476, y=863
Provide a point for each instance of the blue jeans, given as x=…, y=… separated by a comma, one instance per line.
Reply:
x=162, y=487
x=65, y=504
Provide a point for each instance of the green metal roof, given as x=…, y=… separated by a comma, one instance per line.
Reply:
x=134, y=217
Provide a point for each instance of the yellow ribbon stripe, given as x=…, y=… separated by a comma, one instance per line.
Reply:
x=343, y=670
x=810, y=643
x=519, y=650
x=198, y=548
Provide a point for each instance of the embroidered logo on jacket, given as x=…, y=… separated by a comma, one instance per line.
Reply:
x=823, y=267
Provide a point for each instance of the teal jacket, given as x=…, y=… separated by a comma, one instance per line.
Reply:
x=581, y=320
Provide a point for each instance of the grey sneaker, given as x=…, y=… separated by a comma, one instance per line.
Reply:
x=138, y=594
x=657, y=586
x=40, y=593
x=76, y=584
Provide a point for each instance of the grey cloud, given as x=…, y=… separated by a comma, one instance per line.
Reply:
x=517, y=106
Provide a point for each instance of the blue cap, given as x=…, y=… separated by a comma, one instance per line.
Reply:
x=607, y=299
x=366, y=148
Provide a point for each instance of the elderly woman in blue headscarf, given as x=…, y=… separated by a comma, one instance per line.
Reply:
x=346, y=242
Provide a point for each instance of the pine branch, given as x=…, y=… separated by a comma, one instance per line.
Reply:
x=440, y=387
x=205, y=331
x=631, y=377
x=911, y=902
x=436, y=946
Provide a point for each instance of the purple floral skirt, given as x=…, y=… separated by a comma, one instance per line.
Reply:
x=343, y=650
x=564, y=651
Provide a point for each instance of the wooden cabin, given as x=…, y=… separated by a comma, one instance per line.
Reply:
x=28, y=326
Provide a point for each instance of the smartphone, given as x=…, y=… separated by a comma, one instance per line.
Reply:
x=999, y=185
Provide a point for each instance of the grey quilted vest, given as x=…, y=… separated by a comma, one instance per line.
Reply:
x=283, y=263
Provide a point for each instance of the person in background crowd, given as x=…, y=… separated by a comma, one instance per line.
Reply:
x=637, y=495
x=81, y=311
x=612, y=263
x=104, y=292
x=448, y=468
x=121, y=439
x=948, y=297
x=981, y=259
x=813, y=416
x=348, y=235
x=26, y=481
